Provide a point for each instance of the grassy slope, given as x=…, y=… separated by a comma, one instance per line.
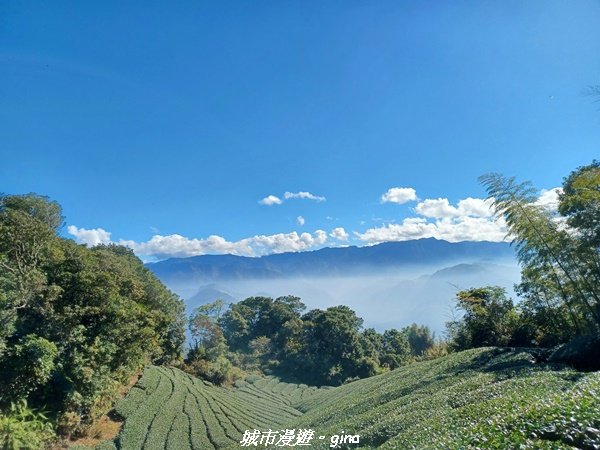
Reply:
x=484, y=398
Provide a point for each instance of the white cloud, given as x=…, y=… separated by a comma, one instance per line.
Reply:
x=284, y=242
x=449, y=229
x=471, y=219
x=441, y=208
x=179, y=246
x=274, y=200
x=175, y=245
x=303, y=195
x=340, y=234
x=320, y=237
x=270, y=200
x=399, y=195
x=549, y=198
x=476, y=207
x=436, y=208
x=89, y=237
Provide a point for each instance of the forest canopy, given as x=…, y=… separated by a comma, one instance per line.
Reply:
x=318, y=347
x=76, y=323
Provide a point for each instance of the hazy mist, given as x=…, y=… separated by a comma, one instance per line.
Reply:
x=394, y=299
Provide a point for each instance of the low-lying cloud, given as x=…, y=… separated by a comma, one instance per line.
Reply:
x=384, y=300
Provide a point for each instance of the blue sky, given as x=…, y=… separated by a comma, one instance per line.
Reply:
x=166, y=123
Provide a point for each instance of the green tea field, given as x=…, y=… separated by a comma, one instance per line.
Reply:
x=483, y=398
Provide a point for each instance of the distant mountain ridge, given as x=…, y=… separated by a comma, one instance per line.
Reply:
x=210, y=293
x=328, y=262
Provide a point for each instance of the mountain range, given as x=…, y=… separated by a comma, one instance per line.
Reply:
x=389, y=285
x=329, y=262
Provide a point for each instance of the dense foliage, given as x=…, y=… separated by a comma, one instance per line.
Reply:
x=489, y=319
x=22, y=428
x=321, y=347
x=77, y=323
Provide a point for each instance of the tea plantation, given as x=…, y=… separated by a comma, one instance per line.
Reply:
x=479, y=399
x=171, y=409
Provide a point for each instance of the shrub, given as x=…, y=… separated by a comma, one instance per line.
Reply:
x=22, y=428
x=31, y=365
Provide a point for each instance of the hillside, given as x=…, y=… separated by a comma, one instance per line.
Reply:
x=482, y=398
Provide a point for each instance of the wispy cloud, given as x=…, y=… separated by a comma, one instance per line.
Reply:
x=304, y=195
x=399, y=195
x=300, y=220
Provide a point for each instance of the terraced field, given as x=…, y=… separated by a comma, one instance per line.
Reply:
x=275, y=390
x=484, y=398
x=171, y=409
x=478, y=399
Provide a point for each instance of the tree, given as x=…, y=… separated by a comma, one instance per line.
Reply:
x=388, y=350
x=372, y=344
x=332, y=345
x=209, y=341
x=420, y=339
x=489, y=319
x=76, y=322
x=395, y=350
x=259, y=316
x=580, y=203
x=28, y=225
x=547, y=250
x=32, y=365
